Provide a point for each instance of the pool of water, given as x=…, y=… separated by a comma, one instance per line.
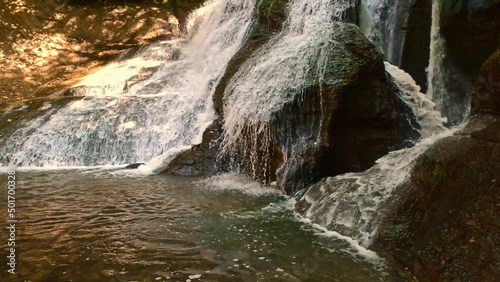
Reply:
x=108, y=225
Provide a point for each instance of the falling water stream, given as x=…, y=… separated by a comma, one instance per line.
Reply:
x=384, y=23
x=354, y=203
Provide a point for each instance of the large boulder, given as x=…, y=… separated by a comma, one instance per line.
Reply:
x=445, y=226
x=487, y=90
x=343, y=122
x=415, y=53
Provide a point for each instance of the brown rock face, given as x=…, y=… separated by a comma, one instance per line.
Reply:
x=487, y=90
x=472, y=32
x=446, y=226
x=200, y=159
x=49, y=45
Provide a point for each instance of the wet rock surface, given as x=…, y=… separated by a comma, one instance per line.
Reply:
x=471, y=30
x=200, y=160
x=446, y=226
x=486, y=97
x=415, y=57
x=271, y=15
x=350, y=120
x=49, y=45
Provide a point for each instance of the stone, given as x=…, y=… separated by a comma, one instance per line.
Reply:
x=445, y=226
x=348, y=122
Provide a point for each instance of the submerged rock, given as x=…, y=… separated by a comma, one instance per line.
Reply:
x=134, y=166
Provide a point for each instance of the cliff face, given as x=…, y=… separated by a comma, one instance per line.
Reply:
x=49, y=45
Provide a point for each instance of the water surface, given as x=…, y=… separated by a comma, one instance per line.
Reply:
x=105, y=225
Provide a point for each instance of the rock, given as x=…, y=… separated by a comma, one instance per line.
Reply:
x=487, y=90
x=472, y=32
x=134, y=166
x=415, y=57
x=445, y=227
x=342, y=125
x=182, y=8
x=201, y=160
x=50, y=45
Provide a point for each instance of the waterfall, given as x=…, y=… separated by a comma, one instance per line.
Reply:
x=454, y=104
x=279, y=71
x=430, y=121
x=384, y=23
x=354, y=203
x=150, y=106
x=436, y=74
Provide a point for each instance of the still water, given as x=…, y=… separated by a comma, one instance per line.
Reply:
x=115, y=225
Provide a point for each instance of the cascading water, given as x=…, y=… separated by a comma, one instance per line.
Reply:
x=384, y=22
x=354, y=203
x=122, y=121
x=276, y=74
x=454, y=104
x=436, y=74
